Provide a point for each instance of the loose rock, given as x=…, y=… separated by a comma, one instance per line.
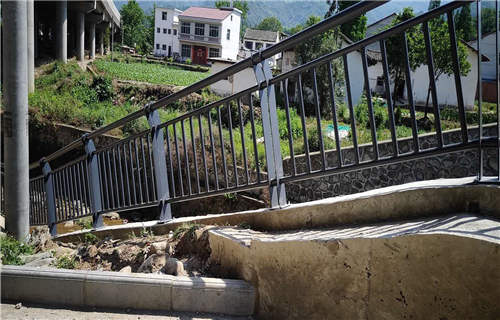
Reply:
x=174, y=267
x=127, y=269
x=152, y=264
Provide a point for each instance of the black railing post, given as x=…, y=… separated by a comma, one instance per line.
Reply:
x=160, y=165
x=94, y=182
x=51, y=200
x=271, y=135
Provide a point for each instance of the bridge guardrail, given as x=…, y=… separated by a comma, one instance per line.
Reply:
x=195, y=155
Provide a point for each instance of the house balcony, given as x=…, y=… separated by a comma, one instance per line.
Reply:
x=199, y=39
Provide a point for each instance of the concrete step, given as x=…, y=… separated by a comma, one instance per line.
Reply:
x=443, y=268
x=82, y=288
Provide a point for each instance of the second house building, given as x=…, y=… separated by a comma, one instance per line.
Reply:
x=197, y=33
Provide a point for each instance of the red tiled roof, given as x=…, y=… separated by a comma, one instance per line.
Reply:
x=207, y=13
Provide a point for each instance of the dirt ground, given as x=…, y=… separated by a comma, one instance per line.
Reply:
x=42, y=312
x=184, y=252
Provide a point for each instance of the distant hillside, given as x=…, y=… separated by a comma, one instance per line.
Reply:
x=290, y=12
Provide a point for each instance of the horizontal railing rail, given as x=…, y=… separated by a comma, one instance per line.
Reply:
x=238, y=143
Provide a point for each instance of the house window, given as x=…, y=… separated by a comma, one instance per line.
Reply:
x=175, y=32
x=164, y=47
x=269, y=45
x=157, y=30
x=157, y=46
x=258, y=45
x=231, y=17
x=214, y=31
x=228, y=35
x=186, y=28
x=249, y=45
x=169, y=31
x=199, y=29
x=213, y=52
x=164, y=30
x=186, y=51
x=164, y=16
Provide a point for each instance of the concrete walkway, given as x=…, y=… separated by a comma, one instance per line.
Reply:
x=41, y=312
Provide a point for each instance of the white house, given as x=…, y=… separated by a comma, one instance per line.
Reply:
x=209, y=33
x=166, y=42
x=198, y=33
x=488, y=68
x=233, y=84
x=255, y=40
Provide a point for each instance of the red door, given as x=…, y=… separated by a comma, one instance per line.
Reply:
x=200, y=55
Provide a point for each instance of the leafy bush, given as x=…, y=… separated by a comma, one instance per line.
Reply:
x=90, y=238
x=65, y=262
x=314, y=143
x=103, y=87
x=295, y=124
x=361, y=113
x=343, y=113
x=12, y=249
x=188, y=61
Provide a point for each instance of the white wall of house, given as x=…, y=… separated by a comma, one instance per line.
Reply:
x=488, y=48
x=231, y=46
x=256, y=45
x=238, y=82
x=165, y=39
x=445, y=86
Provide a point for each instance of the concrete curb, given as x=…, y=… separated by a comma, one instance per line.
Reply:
x=135, y=291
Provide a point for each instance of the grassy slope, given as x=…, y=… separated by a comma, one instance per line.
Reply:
x=152, y=73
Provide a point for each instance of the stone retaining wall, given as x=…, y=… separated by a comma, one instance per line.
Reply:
x=452, y=165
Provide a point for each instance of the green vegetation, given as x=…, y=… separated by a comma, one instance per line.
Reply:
x=136, y=26
x=152, y=73
x=90, y=238
x=65, y=262
x=188, y=228
x=354, y=29
x=270, y=24
x=11, y=250
x=64, y=93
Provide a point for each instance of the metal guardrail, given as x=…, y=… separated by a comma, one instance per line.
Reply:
x=195, y=155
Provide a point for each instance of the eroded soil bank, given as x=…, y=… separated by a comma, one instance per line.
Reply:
x=184, y=252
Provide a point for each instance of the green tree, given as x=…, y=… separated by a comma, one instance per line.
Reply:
x=488, y=23
x=313, y=48
x=241, y=5
x=395, y=52
x=441, y=52
x=433, y=4
x=134, y=26
x=150, y=27
x=464, y=24
x=354, y=29
x=270, y=24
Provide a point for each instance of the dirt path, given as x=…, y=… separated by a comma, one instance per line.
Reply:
x=40, y=312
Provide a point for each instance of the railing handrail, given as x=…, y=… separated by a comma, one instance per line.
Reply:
x=335, y=20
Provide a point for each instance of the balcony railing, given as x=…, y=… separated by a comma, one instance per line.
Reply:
x=192, y=37
x=194, y=155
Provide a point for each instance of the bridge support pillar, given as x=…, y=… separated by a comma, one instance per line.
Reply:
x=94, y=182
x=80, y=36
x=51, y=200
x=101, y=42
x=160, y=165
x=92, y=41
x=271, y=135
x=62, y=30
x=31, y=44
x=15, y=117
